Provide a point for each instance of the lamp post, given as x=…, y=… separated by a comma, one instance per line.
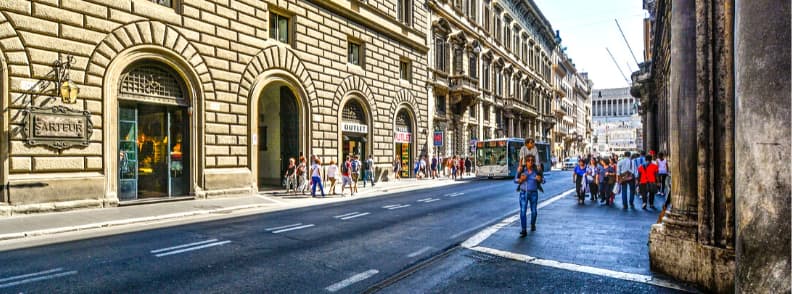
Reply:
x=67, y=88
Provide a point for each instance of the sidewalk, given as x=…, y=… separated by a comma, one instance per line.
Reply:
x=23, y=226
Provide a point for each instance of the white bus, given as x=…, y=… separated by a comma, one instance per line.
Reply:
x=500, y=157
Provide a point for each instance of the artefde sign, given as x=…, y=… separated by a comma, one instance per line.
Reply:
x=354, y=128
x=57, y=127
x=402, y=137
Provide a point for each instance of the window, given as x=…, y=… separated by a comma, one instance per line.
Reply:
x=405, y=69
x=497, y=25
x=473, y=64
x=168, y=3
x=485, y=74
x=405, y=12
x=279, y=28
x=458, y=55
x=516, y=48
x=473, y=111
x=440, y=54
x=486, y=112
x=472, y=8
x=440, y=104
x=355, y=52
x=507, y=35
x=486, y=17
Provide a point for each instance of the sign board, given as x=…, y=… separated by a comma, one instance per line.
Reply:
x=402, y=137
x=57, y=127
x=438, y=138
x=354, y=128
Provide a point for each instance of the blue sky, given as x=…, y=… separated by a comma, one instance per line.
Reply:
x=588, y=27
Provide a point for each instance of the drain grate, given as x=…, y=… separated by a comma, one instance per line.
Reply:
x=481, y=257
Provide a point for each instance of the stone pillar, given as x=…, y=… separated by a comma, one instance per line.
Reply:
x=762, y=149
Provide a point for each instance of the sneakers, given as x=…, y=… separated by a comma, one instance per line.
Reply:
x=523, y=233
x=533, y=228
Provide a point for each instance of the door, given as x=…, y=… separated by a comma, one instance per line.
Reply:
x=290, y=128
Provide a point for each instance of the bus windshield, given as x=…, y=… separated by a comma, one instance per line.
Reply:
x=491, y=153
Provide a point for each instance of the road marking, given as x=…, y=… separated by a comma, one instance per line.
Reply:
x=193, y=248
x=268, y=198
x=351, y=280
x=400, y=206
x=419, y=252
x=293, y=228
x=455, y=194
x=355, y=215
x=34, y=277
x=392, y=205
x=486, y=233
x=345, y=215
x=182, y=246
x=283, y=227
x=427, y=200
x=583, y=269
x=431, y=200
x=422, y=200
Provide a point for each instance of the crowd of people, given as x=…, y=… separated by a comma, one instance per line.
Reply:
x=603, y=178
x=454, y=167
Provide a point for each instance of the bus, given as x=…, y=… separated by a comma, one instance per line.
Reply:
x=500, y=157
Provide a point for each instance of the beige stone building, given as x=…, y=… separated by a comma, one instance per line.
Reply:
x=197, y=98
x=489, y=72
x=571, y=135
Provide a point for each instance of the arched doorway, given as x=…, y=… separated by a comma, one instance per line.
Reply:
x=354, y=130
x=153, y=126
x=278, y=133
x=403, y=140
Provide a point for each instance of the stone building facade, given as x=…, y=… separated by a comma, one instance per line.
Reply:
x=715, y=96
x=195, y=98
x=571, y=107
x=489, y=70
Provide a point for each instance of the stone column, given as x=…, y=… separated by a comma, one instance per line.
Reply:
x=762, y=149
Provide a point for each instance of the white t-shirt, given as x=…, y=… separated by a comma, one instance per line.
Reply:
x=332, y=171
x=662, y=166
x=524, y=151
x=315, y=170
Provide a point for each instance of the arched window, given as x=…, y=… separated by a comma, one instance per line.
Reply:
x=353, y=112
x=154, y=83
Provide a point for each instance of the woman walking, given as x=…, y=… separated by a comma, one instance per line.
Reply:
x=662, y=172
x=591, y=173
x=290, y=178
x=302, y=177
x=396, y=169
x=578, y=177
x=316, y=178
x=332, y=174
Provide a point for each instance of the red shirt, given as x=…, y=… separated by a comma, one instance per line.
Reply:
x=648, y=173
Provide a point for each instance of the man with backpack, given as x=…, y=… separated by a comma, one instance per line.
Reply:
x=346, y=166
x=368, y=171
x=355, y=168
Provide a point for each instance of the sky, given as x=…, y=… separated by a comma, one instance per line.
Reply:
x=588, y=27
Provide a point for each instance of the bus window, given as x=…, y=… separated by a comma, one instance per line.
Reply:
x=514, y=154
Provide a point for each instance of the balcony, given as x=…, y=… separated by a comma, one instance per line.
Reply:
x=439, y=80
x=463, y=85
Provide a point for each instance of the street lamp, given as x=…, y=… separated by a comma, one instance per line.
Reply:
x=68, y=89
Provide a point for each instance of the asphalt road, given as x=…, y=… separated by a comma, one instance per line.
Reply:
x=343, y=247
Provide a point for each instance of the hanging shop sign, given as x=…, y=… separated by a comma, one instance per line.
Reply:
x=438, y=138
x=354, y=128
x=57, y=127
x=402, y=137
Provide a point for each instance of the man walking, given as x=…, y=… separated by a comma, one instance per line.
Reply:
x=355, y=173
x=626, y=177
x=368, y=171
x=530, y=149
x=346, y=166
x=527, y=180
x=648, y=172
x=433, y=167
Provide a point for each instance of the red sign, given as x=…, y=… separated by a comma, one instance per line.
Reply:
x=438, y=138
x=402, y=137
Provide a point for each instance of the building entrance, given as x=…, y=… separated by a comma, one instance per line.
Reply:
x=278, y=133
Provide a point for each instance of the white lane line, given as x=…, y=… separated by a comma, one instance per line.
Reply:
x=419, y=252
x=182, y=246
x=283, y=227
x=351, y=280
x=35, y=277
x=431, y=200
x=293, y=228
x=389, y=206
x=422, y=200
x=346, y=214
x=582, y=268
x=193, y=248
x=486, y=233
x=354, y=216
x=400, y=206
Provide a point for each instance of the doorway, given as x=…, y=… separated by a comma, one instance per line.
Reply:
x=278, y=133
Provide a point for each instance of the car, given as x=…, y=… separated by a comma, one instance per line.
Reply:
x=570, y=163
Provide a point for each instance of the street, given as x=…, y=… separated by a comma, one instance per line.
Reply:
x=344, y=247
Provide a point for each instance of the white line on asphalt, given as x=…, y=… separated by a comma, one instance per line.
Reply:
x=346, y=214
x=431, y=200
x=455, y=194
x=283, y=227
x=293, y=228
x=389, y=206
x=182, y=246
x=400, y=206
x=419, y=252
x=355, y=215
x=422, y=200
x=486, y=233
x=193, y=248
x=34, y=277
x=582, y=268
x=351, y=280
x=269, y=198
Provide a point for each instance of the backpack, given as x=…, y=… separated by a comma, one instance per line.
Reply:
x=355, y=167
x=365, y=165
x=344, y=168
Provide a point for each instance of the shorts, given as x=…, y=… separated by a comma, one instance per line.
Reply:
x=355, y=177
x=346, y=180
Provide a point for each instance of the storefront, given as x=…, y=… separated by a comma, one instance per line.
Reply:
x=354, y=131
x=153, y=134
x=403, y=134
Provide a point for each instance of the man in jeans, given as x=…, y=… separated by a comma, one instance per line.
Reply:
x=626, y=177
x=368, y=171
x=528, y=179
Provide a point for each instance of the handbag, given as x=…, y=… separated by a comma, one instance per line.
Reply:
x=616, y=189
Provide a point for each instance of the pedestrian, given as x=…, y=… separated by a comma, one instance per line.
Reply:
x=316, y=178
x=368, y=171
x=302, y=176
x=424, y=172
x=461, y=167
x=612, y=178
x=468, y=165
x=356, y=165
x=591, y=173
x=579, y=178
x=397, y=165
x=636, y=158
x=454, y=163
x=332, y=174
x=527, y=179
x=626, y=178
x=433, y=167
x=346, y=179
x=602, y=179
x=648, y=172
x=662, y=172
x=291, y=176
